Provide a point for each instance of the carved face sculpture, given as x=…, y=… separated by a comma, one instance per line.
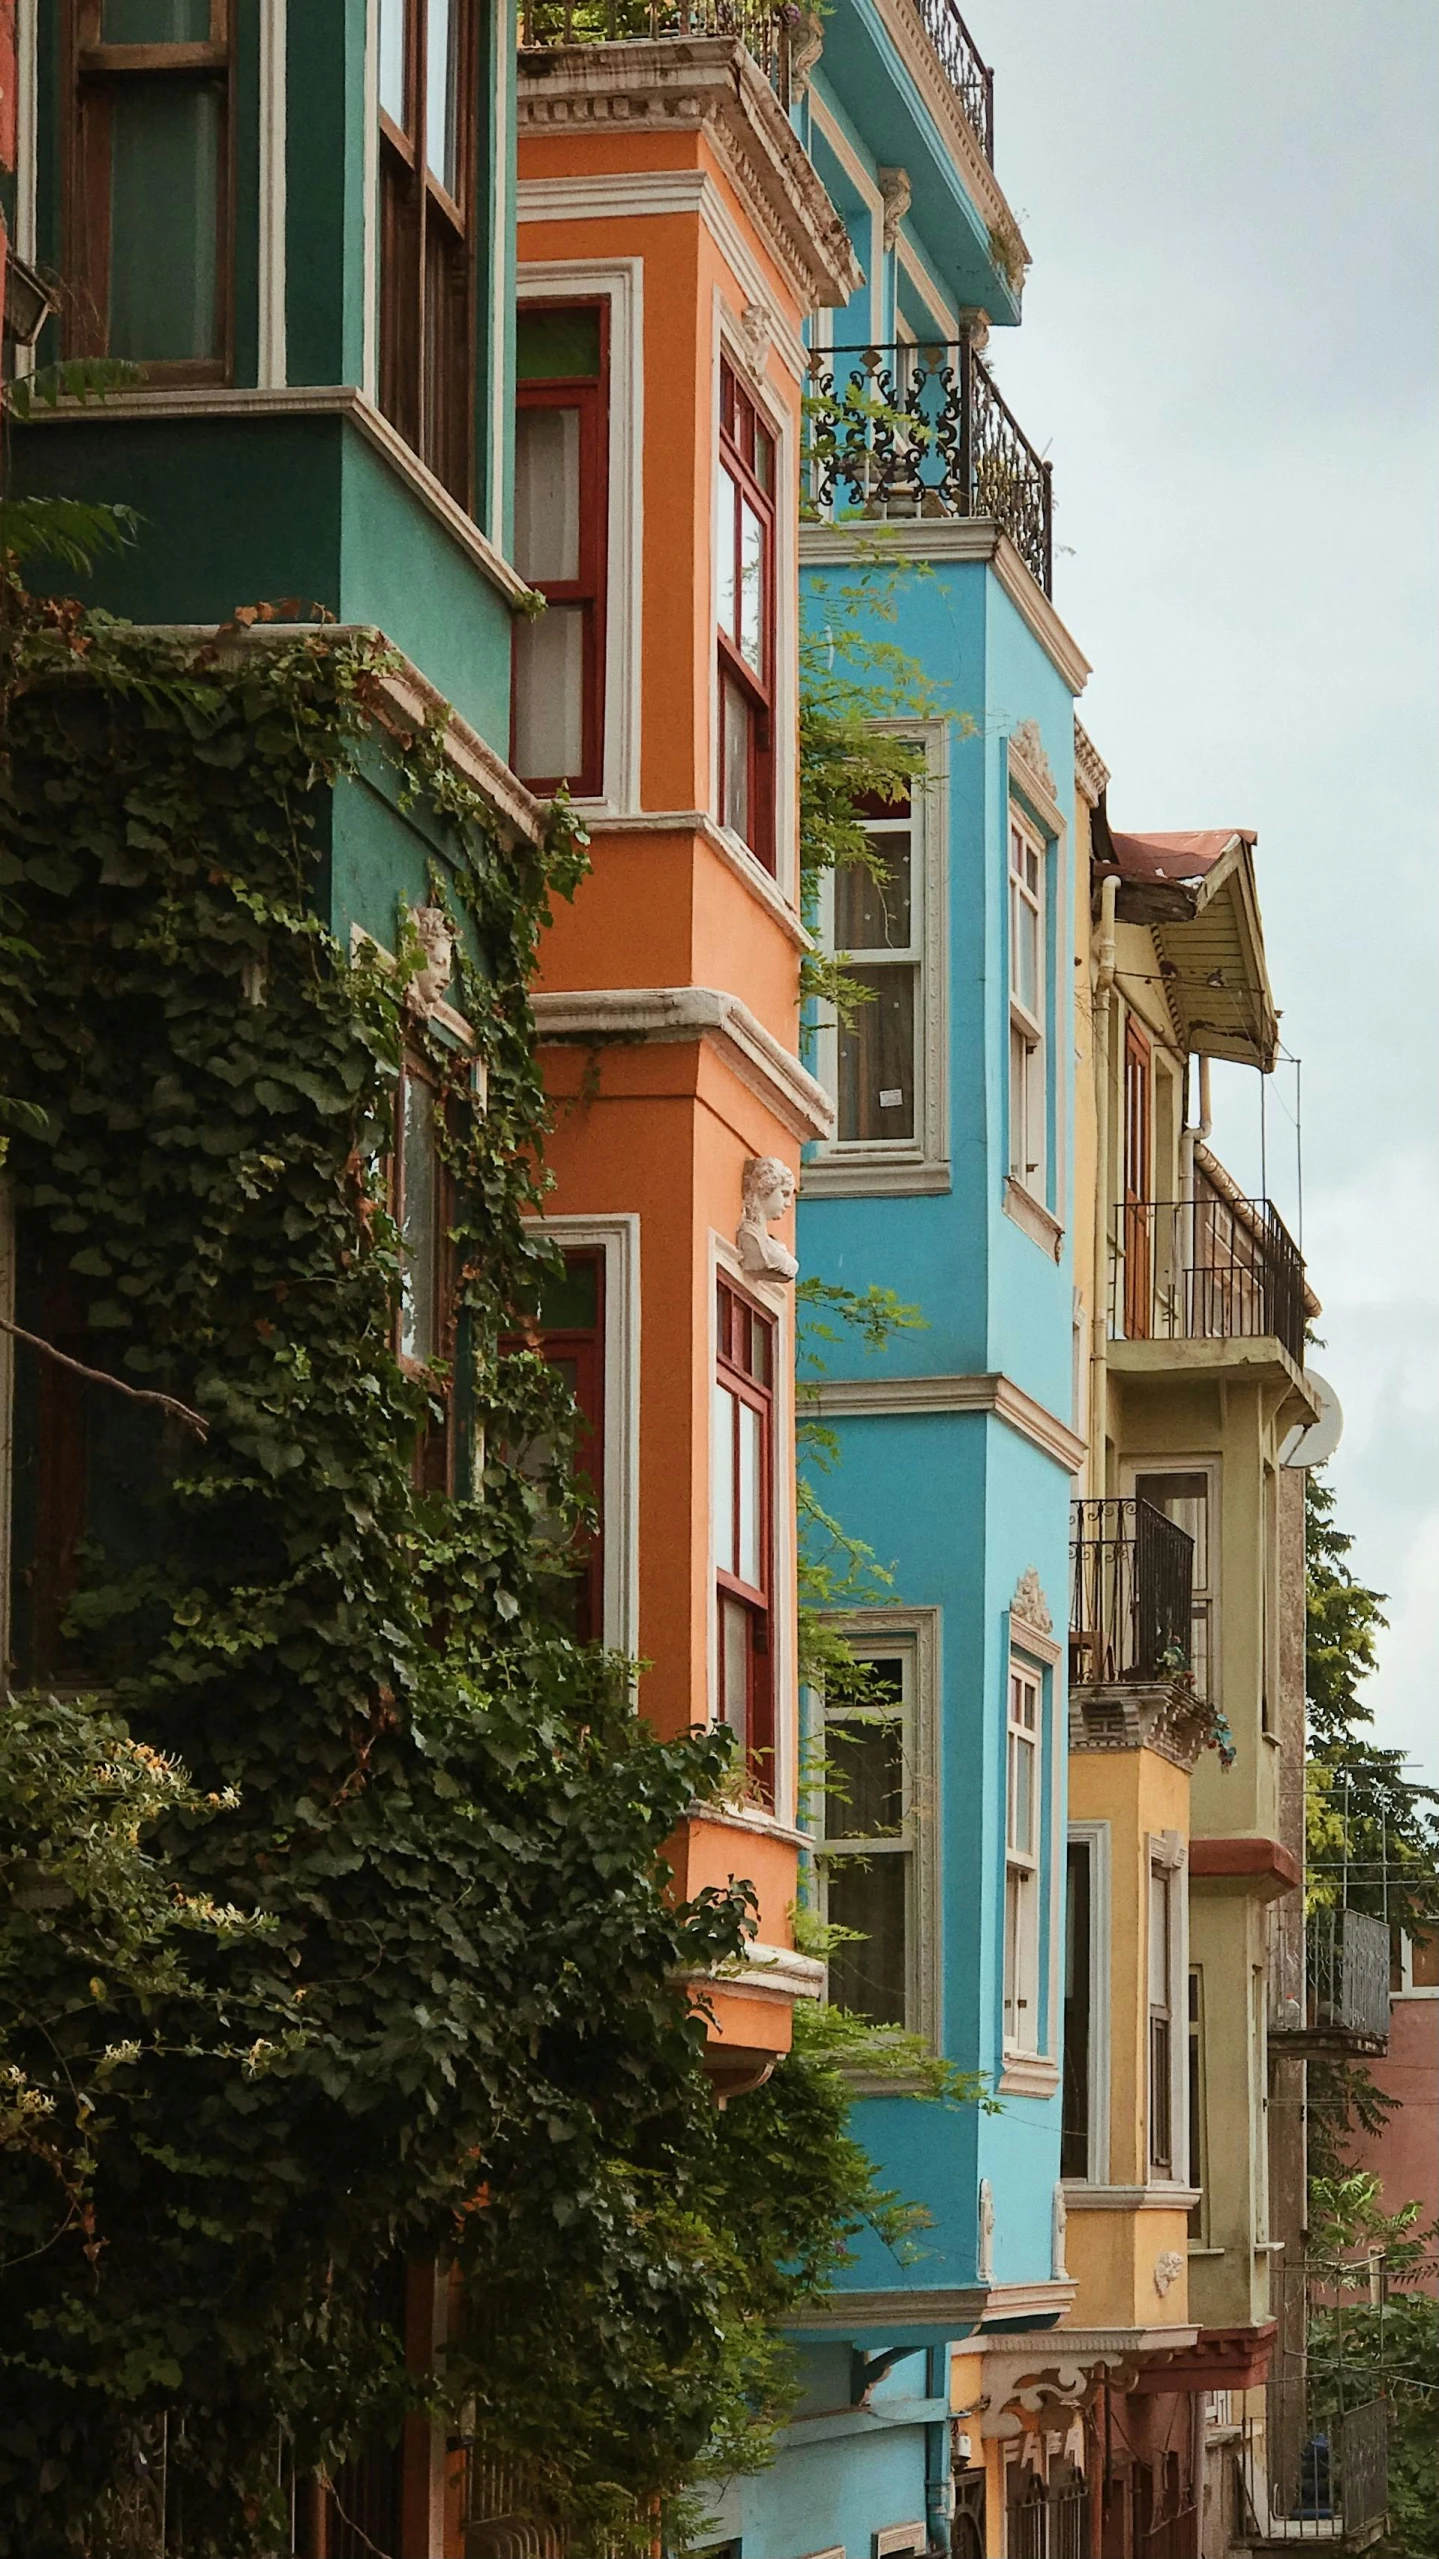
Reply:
x=768, y=1189
x=437, y=941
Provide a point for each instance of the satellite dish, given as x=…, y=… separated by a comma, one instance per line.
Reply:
x=1309, y=1443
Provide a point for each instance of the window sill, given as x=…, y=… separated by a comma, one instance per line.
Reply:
x=1032, y=1215
x=1028, y=2075
x=1195, y=2251
x=1082, y=2197
x=835, y=1176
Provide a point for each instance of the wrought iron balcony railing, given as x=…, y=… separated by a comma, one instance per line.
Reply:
x=901, y=434
x=1318, y=2473
x=1131, y=1591
x=964, y=68
x=1345, y=2008
x=1203, y=1270
x=766, y=32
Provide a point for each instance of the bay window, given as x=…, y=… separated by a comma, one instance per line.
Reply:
x=745, y=615
x=428, y=128
x=868, y=1859
x=1028, y=996
x=148, y=183
x=877, y=935
x=742, y=1459
x=1023, y=1823
x=561, y=504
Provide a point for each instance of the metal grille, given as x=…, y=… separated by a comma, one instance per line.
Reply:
x=364, y=2502
x=1206, y=1269
x=963, y=67
x=904, y=433
x=1130, y=1593
x=765, y=32
x=1346, y=1988
x=500, y=2518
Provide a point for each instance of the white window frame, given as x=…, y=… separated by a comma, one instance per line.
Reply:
x=1166, y=1852
x=1096, y=1838
x=914, y=1634
x=620, y=283
x=617, y=1241
x=1211, y=1467
x=1029, y=1159
x=854, y=1167
x=1024, y=1868
x=1028, y=1646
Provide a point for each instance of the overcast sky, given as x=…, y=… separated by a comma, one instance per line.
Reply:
x=1230, y=350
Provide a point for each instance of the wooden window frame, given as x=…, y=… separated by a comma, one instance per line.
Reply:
x=416, y=207
x=733, y=1311
x=90, y=72
x=434, y=1461
x=1029, y=1144
x=741, y=420
x=590, y=394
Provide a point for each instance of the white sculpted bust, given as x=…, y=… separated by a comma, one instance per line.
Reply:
x=768, y=1195
x=437, y=938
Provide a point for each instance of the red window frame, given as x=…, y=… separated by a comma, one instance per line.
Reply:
x=427, y=255
x=746, y=1372
x=589, y=394
x=748, y=451
x=434, y=1450
x=584, y=1344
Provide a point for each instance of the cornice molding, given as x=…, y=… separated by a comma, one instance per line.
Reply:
x=915, y=48
x=960, y=537
x=1028, y=2074
x=1264, y=1868
x=593, y=1017
x=1032, y=1218
x=1091, y=773
x=958, y=2307
x=705, y=84
x=726, y=847
x=1162, y=1715
x=1130, y=2198
x=302, y=399
x=874, y=1397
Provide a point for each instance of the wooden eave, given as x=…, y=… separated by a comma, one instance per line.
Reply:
x=1210, y=944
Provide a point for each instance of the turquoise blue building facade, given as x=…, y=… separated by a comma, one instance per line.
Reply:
x=947, y=1180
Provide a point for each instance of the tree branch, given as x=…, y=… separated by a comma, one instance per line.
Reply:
x=101, y=1377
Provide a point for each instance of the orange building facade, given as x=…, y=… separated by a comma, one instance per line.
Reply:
x=672, y=239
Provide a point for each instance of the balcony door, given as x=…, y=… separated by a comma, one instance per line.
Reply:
x=1138, y=1242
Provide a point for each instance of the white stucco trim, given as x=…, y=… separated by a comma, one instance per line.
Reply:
x=619, y=282
x=669, y=1013
x=501, y=428
x=873, y=1397
x=918, y=1630
x=270, y=350
x=617, y=1240
x=969, y=537
x=27, y=143
x=861, y=178
x=1095, y=1835
x=370, y=340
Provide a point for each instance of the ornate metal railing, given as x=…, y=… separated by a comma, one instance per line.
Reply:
x=766, y=32
x=1207, y=1269
x=964, y=68
x=906, y=433
x=1345, y=2008
x=1131, y=1586
x=1327, y=2471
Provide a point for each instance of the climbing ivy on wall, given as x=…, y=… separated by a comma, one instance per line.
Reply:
x=388, y=1974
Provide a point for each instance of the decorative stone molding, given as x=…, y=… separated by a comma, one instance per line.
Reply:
x=805, y=47
x=994, y=1393
x=624, y=1016
x=1026, y=742
x=1164, y=1716
x=1029, y=1602
x=1090, y=770
x=985, y=2251
x=1168, y=2267
x=707, y=84
x=896, y=195
x=768, y=1195
x=975, y=326
x=1058, y=2230
x=757, y=330
x=1040, y=2386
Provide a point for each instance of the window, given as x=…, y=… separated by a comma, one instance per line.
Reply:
x=1138, y=1089
x=742, y=1458
x=561, y=476
x=1028, y=1152
x=1078, y=2012
x=869, y=1841
x=148, y=184
x=420, y=1197
x=1023, y=1818
x=428, y=123
x=744, y=612
x=1184, y=1498
x=1161, y=2021
x=878, y=930
x=569, y=1333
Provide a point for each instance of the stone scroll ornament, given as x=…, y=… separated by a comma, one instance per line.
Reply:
x=768, y=1195
x=986, y=2231
x=437, y=938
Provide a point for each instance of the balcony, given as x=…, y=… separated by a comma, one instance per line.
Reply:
x=910, y=434
x=1131, y=1621
x=1320, y=2474
x=1345, y=2010
x=1215, y=1268
x=771, y=36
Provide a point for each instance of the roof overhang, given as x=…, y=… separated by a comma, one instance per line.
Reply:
x=1199, y=897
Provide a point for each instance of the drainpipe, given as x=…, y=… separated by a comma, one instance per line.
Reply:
x=1192, y=1137
x=1099, y=1336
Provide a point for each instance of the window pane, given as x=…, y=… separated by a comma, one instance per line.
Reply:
x=763, y=456
x=870, y=914
x=1159, y=1886
x=1074, y=2156
x=547, y=495
x=392, y=60
x=751, y=1497
x=419, y=1225
x=864, y=1792
x=1021, y=1795
x=164, y=199
x=557, y=343
x=734, y=1642
x=876, y=1057
x=722, y=1478
x=1024, y=949
x=570, y=1303
x=726, y=565
x=1161, y=2111
x=735, y=711
x=751, y=609
x=869, y=1895
x=441, y=121
x=1185, y=1500
x=549, y=693
x=155, y=22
